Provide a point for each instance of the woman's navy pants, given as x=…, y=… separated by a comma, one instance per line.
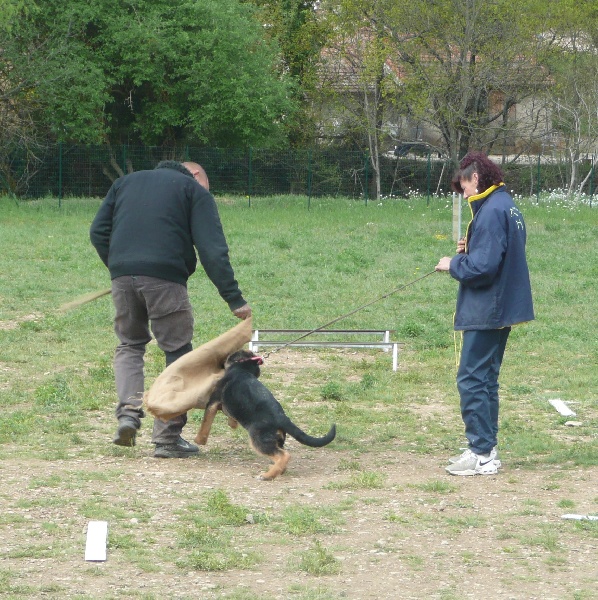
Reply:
x=477, y=381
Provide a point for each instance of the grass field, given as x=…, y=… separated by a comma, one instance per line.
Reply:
x=364, y=500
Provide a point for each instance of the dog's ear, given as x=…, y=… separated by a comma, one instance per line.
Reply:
x=233, y=358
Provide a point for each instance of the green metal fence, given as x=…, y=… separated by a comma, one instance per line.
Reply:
x=88, y=171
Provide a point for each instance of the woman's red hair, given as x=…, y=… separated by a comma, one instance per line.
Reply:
x=489, y=173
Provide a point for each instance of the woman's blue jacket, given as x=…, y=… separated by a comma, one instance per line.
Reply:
x=495, y=289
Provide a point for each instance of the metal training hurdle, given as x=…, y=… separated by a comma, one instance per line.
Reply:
x=386, y=344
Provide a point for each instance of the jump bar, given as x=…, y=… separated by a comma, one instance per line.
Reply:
x=385, y=345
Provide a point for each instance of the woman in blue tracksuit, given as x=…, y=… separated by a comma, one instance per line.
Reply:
x=494, y=294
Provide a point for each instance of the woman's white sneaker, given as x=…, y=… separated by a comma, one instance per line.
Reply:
x=470, y=463
x=453, y=459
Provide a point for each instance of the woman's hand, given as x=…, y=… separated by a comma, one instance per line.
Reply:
x=444, y=264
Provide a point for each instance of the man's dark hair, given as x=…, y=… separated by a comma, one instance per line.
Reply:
x=173, y=164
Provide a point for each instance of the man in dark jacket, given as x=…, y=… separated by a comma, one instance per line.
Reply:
x=494, y=294
x=146, y=232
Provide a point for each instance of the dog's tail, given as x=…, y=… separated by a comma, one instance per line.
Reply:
x=308, y=440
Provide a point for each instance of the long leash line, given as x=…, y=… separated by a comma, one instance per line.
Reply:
x=350, y=313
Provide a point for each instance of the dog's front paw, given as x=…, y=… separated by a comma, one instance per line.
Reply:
x=202, y=440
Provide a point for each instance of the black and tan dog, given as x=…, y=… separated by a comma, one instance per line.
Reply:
x=245, y=400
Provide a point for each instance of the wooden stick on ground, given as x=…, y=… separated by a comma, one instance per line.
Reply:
x=84, y=300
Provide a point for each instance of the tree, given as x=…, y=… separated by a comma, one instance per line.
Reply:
x=355, y=69
x=461, y=65
x=575, y=107
x=301, y=34
x=9, y=9
x=149, y=71
x=573, y=67
x=44, y=92
x=199, y=71
x=476, y=61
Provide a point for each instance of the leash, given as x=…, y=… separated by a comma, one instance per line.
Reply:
x=402, y=287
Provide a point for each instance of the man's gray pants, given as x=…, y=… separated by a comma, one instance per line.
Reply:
x=140, y=301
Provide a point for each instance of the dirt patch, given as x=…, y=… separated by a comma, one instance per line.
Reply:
x=484, y=537
x=411, y=531
x=14, y=323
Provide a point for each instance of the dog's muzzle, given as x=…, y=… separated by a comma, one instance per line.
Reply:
x=258, y=359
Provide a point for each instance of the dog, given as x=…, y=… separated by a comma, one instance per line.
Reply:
x=246, y=401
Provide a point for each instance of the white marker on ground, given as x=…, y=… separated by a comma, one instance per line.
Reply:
x=95, y=545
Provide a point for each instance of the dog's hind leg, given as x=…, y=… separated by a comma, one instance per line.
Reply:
x=206, y=424
x=281, y=459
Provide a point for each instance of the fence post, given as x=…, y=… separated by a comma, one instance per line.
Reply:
x=538, y=182
x=309, y=179
x=59, y=174
x=249, y=175
x=456, y=217
x=367, y=178
x=428, y=178
x=592, y=181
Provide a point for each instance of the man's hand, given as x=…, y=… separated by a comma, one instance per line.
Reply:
x=444, y=264
x=243, y=312
x=461, y=246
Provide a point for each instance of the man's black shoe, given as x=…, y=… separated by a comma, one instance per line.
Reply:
x=126, y=432
x=180, y=449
